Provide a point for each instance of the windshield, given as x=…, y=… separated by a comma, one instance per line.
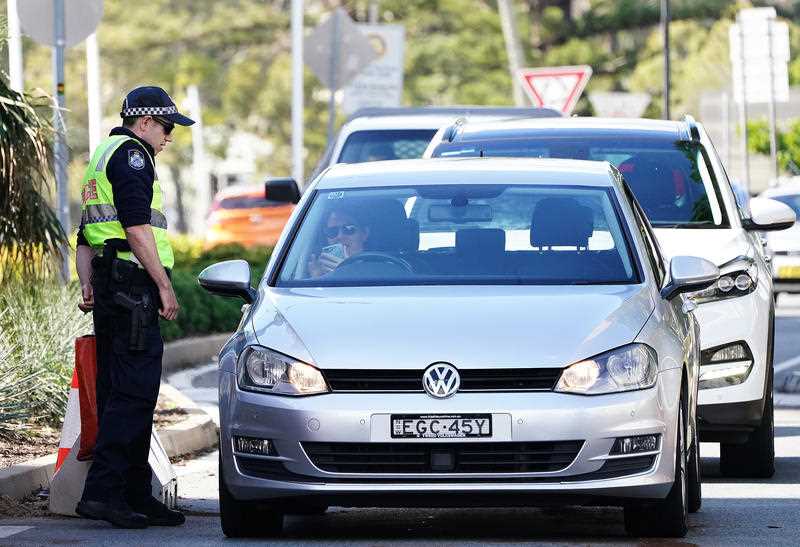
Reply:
x=671, y=180
x=394, y=144
x=460, y=234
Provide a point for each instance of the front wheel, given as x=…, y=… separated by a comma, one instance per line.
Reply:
x=695, y=484
x=241, y=519
x=668, y=517
x=755, y=458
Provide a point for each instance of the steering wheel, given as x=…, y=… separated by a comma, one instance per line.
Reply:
x=375, y=256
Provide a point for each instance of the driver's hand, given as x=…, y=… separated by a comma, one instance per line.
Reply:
x=328, y=263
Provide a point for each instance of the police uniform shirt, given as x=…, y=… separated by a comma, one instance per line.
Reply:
x=131, y=174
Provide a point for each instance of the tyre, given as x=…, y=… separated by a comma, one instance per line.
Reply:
x=755, y=458
x=245, y=519
x=668, y=517
x=693, y=465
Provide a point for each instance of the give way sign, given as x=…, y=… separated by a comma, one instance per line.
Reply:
x=557, y=87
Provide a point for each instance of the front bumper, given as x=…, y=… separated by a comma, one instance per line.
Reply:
x=517, y=418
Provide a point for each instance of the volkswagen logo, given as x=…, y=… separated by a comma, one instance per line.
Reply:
x=441, y=380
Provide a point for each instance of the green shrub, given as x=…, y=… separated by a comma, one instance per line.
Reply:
x=38, y=327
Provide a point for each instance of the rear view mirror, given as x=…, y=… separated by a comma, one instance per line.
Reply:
x=688, y=274
x=769, y=214
x=455, y=213
x=229, y=278
x=284, y=190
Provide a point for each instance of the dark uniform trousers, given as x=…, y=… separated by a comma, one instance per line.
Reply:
x=127, y=390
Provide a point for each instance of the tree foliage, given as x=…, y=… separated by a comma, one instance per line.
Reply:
x=30, y=233
x=788, y=143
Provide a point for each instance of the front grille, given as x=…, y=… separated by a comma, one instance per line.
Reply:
x=474, y=457
x=509, y=379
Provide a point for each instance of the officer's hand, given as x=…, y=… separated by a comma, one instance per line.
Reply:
x=88, y=298
x=169, y=304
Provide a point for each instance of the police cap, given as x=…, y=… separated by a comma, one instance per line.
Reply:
x=152, y=101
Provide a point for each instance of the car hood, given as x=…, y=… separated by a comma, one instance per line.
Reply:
x=718, y=246
x=470, y=327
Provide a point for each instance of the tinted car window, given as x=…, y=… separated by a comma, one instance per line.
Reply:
x=671, y=180
x=460, y=234
x=401, y=144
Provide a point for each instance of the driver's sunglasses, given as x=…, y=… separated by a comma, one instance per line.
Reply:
x=346, y=229
x=167, y=125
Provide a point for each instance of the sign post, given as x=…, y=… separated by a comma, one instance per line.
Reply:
x=336, y=51
x=381, y=81
x=555, y=87
x=50, y=22
x=760, y=75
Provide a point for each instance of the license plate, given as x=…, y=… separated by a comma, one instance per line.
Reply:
x=789, y=272
x=441, y=426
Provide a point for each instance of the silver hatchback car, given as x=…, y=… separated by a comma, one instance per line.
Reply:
x=462, y=332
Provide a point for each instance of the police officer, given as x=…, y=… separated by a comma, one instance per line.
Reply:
x=123, y=261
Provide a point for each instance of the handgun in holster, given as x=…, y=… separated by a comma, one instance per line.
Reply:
x=141, y=313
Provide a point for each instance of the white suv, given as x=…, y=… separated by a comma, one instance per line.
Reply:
x=676, y=175
x=375, y=134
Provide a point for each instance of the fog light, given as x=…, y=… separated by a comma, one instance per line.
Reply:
x=635, y=445
x=726, y=365
x=253, y=445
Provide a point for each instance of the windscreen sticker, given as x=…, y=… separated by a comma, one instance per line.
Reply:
x=336, y=195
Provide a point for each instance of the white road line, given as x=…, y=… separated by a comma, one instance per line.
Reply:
x=789, y=363
x=8, y=531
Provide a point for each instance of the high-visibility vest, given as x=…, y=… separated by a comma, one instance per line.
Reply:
x=98, y=214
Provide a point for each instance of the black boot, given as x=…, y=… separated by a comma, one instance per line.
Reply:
x=157, y=513
x=120, y=514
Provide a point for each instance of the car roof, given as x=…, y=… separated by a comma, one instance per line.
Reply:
x=436, y=117
x=467, y=171
x=565, y=127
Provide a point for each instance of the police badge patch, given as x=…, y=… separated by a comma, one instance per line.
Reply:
x=135, y=159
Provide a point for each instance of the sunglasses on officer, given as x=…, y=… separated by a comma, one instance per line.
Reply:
x=166, y=124
x=345, y=229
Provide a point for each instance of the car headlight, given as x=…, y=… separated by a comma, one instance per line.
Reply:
x=726, y=365
x=737, y=278
x=267, y=371
x=628, y=368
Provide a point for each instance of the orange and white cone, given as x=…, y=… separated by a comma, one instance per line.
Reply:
x=72, y=422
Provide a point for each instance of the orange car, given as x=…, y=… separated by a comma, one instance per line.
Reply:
x=242, y=214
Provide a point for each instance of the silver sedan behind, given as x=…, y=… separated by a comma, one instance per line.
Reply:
x=462, y=332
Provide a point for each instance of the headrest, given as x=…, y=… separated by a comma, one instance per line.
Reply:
x=561, y=222
x=390, y=230
x=481, y=241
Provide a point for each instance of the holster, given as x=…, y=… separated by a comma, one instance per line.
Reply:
x=141, y=309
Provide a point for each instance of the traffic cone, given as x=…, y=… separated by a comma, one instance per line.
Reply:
x=72, y=422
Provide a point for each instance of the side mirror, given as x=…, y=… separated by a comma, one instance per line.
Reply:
x=769, y=214
x=285, y=190
x=688, y=274
x=229, y=278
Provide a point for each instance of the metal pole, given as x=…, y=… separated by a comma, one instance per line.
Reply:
x=203, y=195
x=513, y=49
x=93, y=88
x=665, y=18
x=60, y=151
x=335, y=50
x=743, y=111
x=373, y=11
x=15, y=69
x=773, y=145
x=297, y=91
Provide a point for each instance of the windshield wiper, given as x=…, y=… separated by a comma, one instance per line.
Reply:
x=698, y=224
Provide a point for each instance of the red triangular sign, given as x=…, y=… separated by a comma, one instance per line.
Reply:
x=557, y=87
